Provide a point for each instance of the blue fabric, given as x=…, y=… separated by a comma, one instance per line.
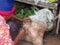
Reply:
x=6, y=5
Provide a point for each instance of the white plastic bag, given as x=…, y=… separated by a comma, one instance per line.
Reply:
x=43, y=15
x=36, y=1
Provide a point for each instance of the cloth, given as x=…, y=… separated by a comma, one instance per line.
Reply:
x=5, y=38
x=7, y=7
x=8, y=13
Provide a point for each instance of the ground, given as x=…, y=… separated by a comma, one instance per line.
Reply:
x=50, y=39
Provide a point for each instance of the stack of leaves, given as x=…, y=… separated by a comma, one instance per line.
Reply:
x=24, y=10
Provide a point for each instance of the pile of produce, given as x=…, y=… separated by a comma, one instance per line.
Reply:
x=23, y=10
x=46, y=1
x=52, y=0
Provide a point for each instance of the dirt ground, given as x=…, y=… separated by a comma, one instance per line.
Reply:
x=50, y=39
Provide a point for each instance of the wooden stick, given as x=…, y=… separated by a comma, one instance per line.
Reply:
x=55, y=18
x=57, y=30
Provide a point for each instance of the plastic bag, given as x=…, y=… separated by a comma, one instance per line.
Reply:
x=36, y=1
x=43, y=15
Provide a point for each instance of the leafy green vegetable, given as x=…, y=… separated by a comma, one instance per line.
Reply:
x=23, y=10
